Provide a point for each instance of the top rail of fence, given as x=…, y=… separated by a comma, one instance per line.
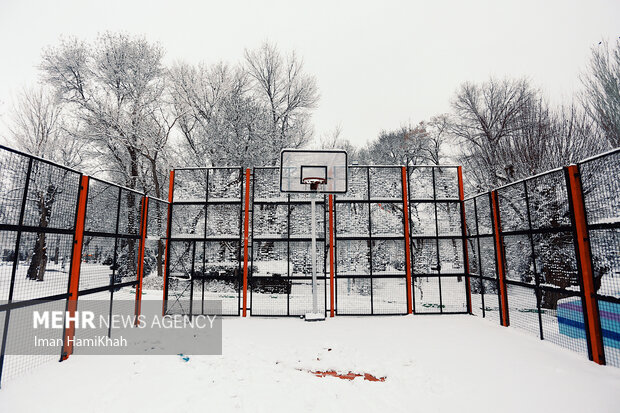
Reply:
x=478, y=195
x=529, y=178
x=152, y=198
x=103, y=181
x=203, y=168
x=600, y=155
x=38, y=158
x=432, y=166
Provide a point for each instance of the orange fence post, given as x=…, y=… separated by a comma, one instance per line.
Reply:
x=246, y=241
x=331, y=255
x=143, y=228
x=166, y=252
x=464, y=230
x=499, y=255
x=591, y=313
x=407, y=240
x=76, y=262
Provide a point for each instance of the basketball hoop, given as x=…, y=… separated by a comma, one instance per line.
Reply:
x=313, y=182
x=314, y=172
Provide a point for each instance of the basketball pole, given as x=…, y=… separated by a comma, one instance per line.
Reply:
x=315, y=306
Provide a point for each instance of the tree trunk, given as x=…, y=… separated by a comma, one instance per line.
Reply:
x=38, y=263
x=131, y=216
x=160, y=245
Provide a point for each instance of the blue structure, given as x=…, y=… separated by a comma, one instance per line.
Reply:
x=571, y=323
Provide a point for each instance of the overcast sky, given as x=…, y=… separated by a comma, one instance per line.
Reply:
x=378, y=64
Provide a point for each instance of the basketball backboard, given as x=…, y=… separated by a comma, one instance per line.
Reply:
x=323, y=171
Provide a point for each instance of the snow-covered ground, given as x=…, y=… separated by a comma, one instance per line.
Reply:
x=431, y=363
x=54, y=281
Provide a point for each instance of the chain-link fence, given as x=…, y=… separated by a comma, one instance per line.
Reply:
x=205, y=240
x=482, y=257
x=64, y=235
x=280, y=276
x=600, y=178
x=439, y=268
x=544, y=256
x=541, y=254
x=370, y=276
x=38, y=204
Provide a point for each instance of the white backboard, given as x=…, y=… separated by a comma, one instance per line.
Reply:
x=296, y=164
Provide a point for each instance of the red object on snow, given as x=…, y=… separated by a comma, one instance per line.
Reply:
x=347, y=376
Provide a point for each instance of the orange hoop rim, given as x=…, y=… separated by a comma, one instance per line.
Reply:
x=312, y=180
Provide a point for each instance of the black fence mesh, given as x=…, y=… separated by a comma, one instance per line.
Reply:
x=600, y=179
x=38, y=210
x=111, y=238
x=542, y=275
x=370, y=266
x=38, y=201
x=438, y=261
x=155, y=247
x=482, y=257
x=205, y=259
x=280, y=276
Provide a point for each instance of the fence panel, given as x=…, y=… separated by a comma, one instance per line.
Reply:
x=110, y=250
x=205, y=242
x=482, y=262
x=438, y=261
x=280, y=276
x=370, y=270
x=154, y=254
x=542, y=273
x=600, y=177
x=38, y=201
x=111, y=238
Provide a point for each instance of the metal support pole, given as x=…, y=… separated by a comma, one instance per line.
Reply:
x=464, y=235
x=76, y=262
x=331, y=256
x=315, y=306
x=500, y=259
x=164, y=306
x=582, y=240
x=246, y=227
x=407, y=239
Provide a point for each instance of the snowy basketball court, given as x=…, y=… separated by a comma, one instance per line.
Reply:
x=430, y=363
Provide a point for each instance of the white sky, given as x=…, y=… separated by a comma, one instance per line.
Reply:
x=378, y=64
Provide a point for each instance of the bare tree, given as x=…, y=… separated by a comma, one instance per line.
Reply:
x=334, y=140
x=288, y=93
x=485, y=115
x=331, y=139
x=438, y=129
x=221, y=121
x=575, y=136
x=397, y=147
x=508, y=131
x=116, y=88
x=37, y=127
x=601, y=97
x=198, y=93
